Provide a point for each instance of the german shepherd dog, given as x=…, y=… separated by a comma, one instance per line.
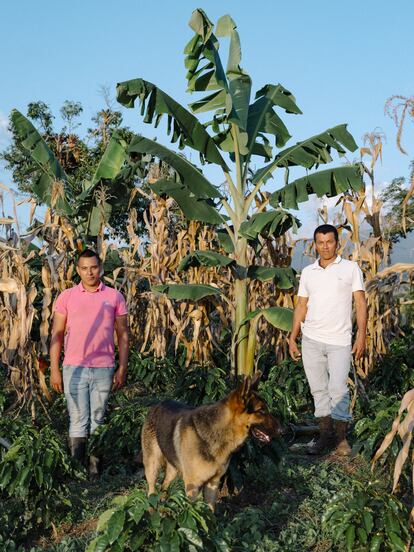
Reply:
x=197, y=442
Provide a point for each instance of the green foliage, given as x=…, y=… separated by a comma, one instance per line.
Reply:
x=299, y=513
x=371, y=429
x=138, y=522
x=40, y=153
x=156, y=376
x=246, y=530
x=251, y=457
x=286, y=391
x=9, y=545
x=393, y=197
x=118, y=439
x=394, y=374
x=201, y=384
x=35, y=471
x=365, y=517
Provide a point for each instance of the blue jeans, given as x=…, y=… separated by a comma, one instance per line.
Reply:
x=86, y=391
x=327, y=368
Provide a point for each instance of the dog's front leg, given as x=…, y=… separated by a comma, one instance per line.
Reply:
x=211, y=490
x=192, y=490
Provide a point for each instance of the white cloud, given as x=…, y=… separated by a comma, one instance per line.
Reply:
x=5, y=134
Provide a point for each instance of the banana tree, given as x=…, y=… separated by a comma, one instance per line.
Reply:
x=53, y=187
x=238, y=130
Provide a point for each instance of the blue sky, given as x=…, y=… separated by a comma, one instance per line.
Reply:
x=341, y=60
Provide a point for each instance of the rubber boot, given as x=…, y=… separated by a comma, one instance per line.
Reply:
x=77, y=446
x=326, y=437
x=342, y=446
x=94, y=465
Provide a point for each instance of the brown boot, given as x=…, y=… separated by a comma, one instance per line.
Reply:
x=326, y=437
x=94, y=465
x=342, y=446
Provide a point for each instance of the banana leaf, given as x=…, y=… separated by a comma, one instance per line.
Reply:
x=50, y=170
x=180, y=292
x=311, y=152
x=284, y=277
x=263, y=119
x=204, y=258
x=194, y=208
x=182, y=125
x=269, y=223
x=190, y=176
x=330, y=182
x=279, y=317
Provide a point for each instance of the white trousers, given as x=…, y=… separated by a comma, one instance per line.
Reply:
x=327, y=368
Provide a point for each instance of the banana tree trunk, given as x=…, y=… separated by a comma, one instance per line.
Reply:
x=241, y=298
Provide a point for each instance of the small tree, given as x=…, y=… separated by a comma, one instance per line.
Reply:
x=88, y=182
x=242, y=129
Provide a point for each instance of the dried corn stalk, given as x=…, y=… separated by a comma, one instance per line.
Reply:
x=403, y=425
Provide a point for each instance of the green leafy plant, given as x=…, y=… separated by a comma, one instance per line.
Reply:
x=371, y=429
x=250, y=457
x=286, y=391
x=201, y=384
x=366, y=517
x=117, y=441
x=157, y=376
x=394, y=374
x=35, y=471
x=138, y=522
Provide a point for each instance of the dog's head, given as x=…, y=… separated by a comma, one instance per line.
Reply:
x=252, y=411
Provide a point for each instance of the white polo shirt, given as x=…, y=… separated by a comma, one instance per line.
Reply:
x=329, y=315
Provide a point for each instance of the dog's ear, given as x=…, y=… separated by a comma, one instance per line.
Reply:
x=255, y=381
x=243, y=388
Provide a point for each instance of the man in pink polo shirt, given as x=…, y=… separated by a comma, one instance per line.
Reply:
x=85, y=317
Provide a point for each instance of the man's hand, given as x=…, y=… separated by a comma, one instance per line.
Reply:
x=56, y=381
x=359, y=346
x=294, y=350
x=119, y=379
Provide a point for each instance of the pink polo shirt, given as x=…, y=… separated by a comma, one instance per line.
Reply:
x=90, y=320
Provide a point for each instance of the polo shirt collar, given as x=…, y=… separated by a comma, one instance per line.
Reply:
x=101, y=287
x=317, y=266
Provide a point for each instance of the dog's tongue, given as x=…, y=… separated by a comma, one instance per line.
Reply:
x=261, y=435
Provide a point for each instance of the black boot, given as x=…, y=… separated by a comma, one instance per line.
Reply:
x=94, y=465
x=326, y=437
x=77, y=446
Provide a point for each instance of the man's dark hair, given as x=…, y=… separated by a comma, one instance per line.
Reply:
x=88, y=253
x=325, y=229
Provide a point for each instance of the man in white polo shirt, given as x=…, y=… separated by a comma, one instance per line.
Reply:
x=324, y=314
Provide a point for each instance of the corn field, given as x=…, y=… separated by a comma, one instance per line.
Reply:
x=37, y=266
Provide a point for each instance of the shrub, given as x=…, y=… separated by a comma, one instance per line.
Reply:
x=138, y=522
x=34, y=471
x=394, y=374
x=286, y=391
x=201, y=384
x=366, y=517
x=157, y=376
x=118, y=440
x=371, y=429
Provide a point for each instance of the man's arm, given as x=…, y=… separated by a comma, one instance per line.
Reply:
x=121, y=328
x=298, y=317
x=56, y=343
x=361, y=317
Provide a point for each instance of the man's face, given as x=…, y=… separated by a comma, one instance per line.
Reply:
x=326, y=245
x=89, y=271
